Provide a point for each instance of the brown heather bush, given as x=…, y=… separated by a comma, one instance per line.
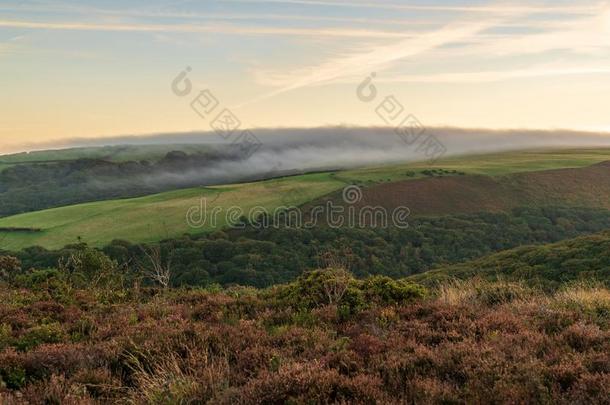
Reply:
x=467, y=342
x=307, y=383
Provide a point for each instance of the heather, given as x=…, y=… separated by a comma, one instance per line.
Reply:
x=324, y=338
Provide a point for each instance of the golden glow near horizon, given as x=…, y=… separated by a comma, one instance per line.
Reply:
x=102, y=68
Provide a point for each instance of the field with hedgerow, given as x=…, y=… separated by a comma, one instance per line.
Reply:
x=74, y=336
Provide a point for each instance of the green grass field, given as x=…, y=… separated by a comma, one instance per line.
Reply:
x=489, y=164
x=160, y=216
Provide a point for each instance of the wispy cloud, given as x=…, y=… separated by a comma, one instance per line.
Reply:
x=367, y=60
x=496, y=76
x=580, y=35
x=296, y=44
x=496, y=9
x=207, y=16
x=211, y=28
x=583, y=34
x=407, y=19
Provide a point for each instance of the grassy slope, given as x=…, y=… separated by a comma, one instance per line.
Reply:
x=488, y=164
x=161, y=216
x=584, y=258
x=157, y=216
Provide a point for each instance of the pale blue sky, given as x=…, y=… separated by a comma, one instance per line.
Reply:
x=95, y=68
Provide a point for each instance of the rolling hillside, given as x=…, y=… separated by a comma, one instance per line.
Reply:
x=586, y=258
x=491, y=164
x=466, y=184
x=51, y=179
x=438, y=195
x=155, y=217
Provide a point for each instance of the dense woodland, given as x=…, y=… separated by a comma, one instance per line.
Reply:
x=263, y=257
x=547, y=266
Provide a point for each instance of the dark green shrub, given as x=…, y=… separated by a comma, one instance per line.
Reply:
x=384, y=290
x=52, y=281
x=318, y=288
x=91, y=268
x=338, y=287
x=6, y=336
x=37, y=335
x=13, y=377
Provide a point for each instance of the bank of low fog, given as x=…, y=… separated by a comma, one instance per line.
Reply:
x=291, y=150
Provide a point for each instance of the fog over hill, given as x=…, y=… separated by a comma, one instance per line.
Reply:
x=289, y=150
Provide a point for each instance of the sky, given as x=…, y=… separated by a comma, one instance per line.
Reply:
x=93, y=68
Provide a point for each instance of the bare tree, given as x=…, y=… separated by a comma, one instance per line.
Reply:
x=155, y=268
x=336, y=285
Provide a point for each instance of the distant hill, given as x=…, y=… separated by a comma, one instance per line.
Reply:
x=46, y=179
x=32, y=185
x=116, y=153
x=585, y=258
x=444, y=193
x=469, y=184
